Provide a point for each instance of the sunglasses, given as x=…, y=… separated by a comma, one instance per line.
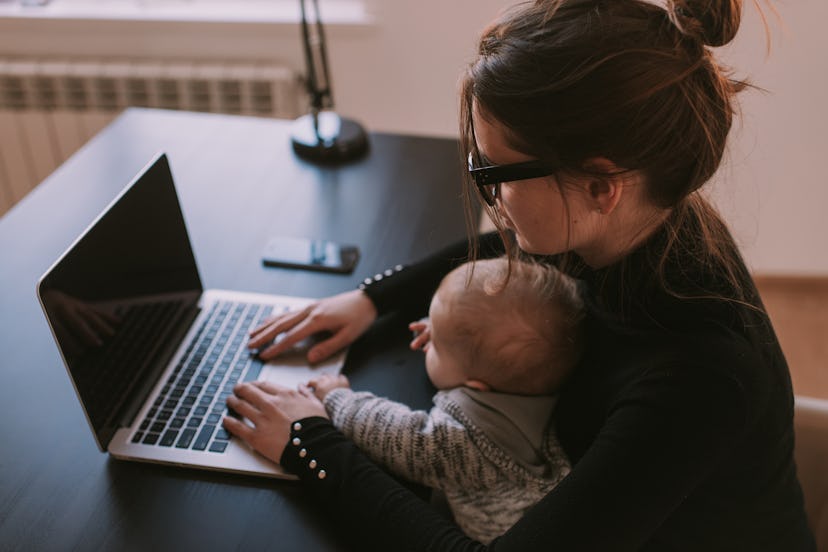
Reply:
x=488, y=178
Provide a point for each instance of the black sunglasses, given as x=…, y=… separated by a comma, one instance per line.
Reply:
x=488, y=179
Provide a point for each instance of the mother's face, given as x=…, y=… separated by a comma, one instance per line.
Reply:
x=545, y=218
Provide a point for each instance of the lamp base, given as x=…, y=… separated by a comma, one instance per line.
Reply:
x=326, y=138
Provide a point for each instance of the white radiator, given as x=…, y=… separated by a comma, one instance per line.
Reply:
x=49, y=108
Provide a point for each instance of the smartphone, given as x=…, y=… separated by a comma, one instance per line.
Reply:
x=310, y=254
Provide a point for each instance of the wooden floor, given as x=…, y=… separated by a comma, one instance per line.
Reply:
x=798, y=307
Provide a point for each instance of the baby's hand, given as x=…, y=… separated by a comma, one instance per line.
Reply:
x=422, y=334
x=326, y=383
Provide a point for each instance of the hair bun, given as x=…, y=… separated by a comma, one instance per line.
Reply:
x=714, y=22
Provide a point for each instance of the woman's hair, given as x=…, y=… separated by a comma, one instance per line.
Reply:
x=514, y=325
x=626, y=80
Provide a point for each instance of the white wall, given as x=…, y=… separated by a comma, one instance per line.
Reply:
x=399, y=74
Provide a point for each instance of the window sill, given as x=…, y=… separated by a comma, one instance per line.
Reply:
x=338, y=12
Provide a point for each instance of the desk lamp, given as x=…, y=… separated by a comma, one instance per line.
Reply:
x=322, y=136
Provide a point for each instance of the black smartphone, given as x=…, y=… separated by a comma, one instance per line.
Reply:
x=310, y=254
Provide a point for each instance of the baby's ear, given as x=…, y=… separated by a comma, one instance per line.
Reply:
x=477, y=384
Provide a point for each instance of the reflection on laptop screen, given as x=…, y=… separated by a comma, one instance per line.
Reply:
x=116, y=296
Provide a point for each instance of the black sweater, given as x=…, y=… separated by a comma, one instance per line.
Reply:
x=678, y=422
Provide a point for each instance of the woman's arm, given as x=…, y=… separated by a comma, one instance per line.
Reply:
x=371, y=509
x=653, y=450
x=411, y=288
x=347, y=315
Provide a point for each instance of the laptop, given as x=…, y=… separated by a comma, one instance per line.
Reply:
x=151, y=354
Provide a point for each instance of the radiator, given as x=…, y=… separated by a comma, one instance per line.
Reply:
x=49, y=108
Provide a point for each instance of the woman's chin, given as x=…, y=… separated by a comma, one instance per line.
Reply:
x=530, y=248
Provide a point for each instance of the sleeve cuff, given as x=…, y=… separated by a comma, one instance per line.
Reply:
x=311, y=449
x=335, y=399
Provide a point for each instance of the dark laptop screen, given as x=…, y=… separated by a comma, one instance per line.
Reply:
x=114, y=298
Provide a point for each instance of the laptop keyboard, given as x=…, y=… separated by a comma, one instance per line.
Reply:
x=187, y=413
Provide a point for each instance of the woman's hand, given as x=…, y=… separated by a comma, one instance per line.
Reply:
x=270, y=408
x=326, y=383
x=345, y=316
x=422, y=334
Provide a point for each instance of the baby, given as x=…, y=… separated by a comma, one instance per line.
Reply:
x=498, y=344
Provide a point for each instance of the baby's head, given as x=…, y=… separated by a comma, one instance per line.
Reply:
x=514, y=332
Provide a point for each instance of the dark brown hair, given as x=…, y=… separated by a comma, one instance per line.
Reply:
x=625, y=80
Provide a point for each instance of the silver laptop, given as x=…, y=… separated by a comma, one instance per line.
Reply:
x=151, y=354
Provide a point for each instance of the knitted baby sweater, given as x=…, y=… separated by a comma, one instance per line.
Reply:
x=493, y=455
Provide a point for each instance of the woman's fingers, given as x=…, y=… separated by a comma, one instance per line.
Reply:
x=244, y=408
x=267, y=332
x=264, y=386
x=270, y=408
x=302, y=330
x=238, y=428
x=329, y=346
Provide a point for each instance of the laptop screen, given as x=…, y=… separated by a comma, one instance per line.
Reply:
x=114, y=299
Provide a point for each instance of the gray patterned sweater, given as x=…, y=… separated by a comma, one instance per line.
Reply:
x=493, y=455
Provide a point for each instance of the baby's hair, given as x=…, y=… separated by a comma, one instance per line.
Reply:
x=518, y=329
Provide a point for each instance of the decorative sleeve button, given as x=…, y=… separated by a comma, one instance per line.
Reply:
x=300, y=456
x=379, y=276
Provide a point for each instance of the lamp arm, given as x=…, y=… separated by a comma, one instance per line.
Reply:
x=316, y=51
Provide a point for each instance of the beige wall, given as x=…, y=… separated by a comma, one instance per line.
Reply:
x=774, y=189
x=399, y=74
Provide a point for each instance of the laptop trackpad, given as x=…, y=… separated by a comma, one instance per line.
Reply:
x=292, y=369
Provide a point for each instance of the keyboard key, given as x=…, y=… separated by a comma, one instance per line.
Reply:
x=137, y=437
x=151, y=438
x=254, y=370
x=186, y=438
x=222, y=435
x=169, y=438
x=176, y=423
x=218, y=446
x=204, y=437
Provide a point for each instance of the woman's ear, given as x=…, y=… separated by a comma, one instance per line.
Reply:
x=605, y=184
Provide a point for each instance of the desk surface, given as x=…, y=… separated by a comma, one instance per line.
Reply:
x=239, y=183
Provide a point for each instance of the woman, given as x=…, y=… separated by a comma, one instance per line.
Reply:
x=590, y=127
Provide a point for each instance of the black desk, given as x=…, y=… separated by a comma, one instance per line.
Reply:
x=239, y=183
